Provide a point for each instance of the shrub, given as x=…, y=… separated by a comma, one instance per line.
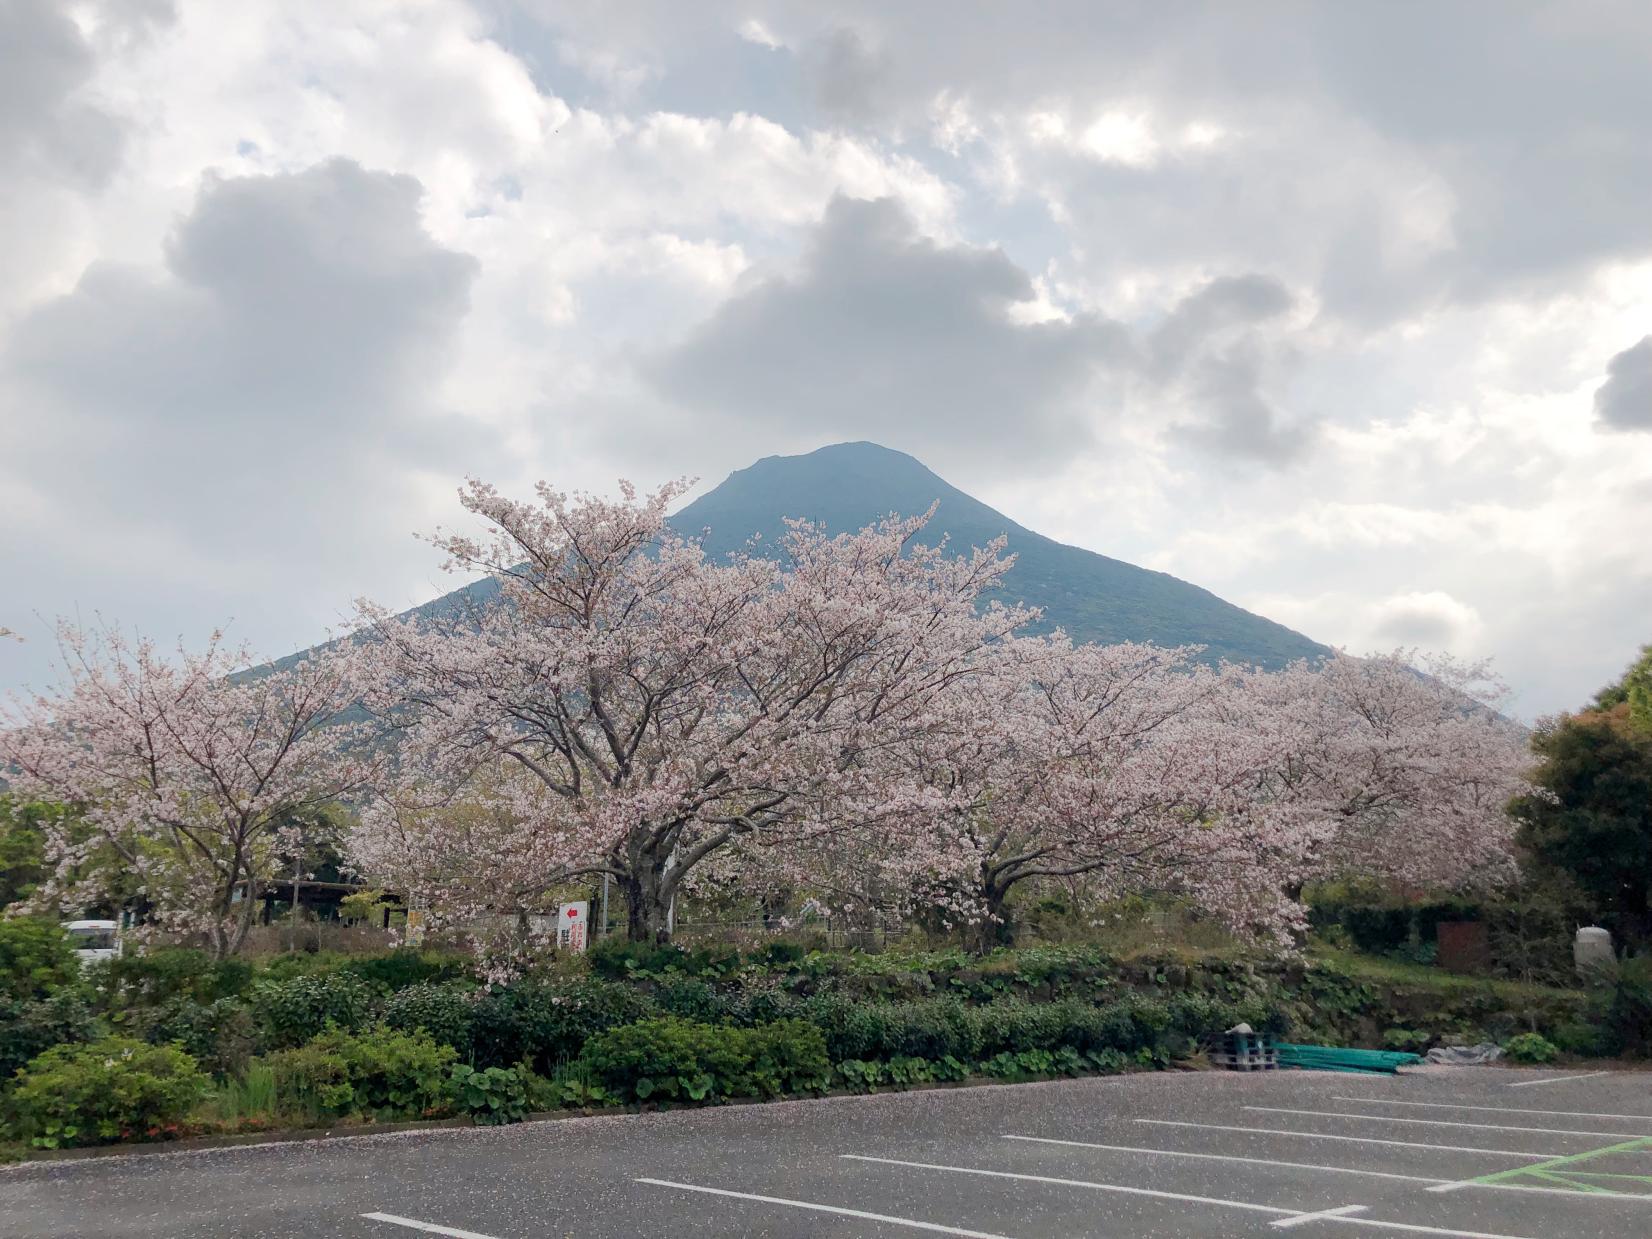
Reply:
x=311, y=1083
x=1530, y=1048
x=666, y=1058
x=30, y=1028
x=221, y=1036
x=36, y=958
x=393, y=1073
x=167, y=974
x=405, y=966
x=689, y=998
x=491, y=1096
x=113, y=1089
x=549, y=1022
x=291, y=1012
x=1577, y=1037
x=446, y=1012
x=1627, y=1025
x=788, y=1056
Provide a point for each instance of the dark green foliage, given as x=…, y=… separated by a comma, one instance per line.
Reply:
x=446, y=1012
x=165, y=974
x=291, y=1012
x=1595, y=821
x=36, y=958
x=30, y=1028
x=544, y=1023
x=23, y=846
x=1627, y=1025
x=616, y=959
x=670, y=1059
x=393, y=1074
x=113, y=1089
x=221, y=1036
x=492, y=1095
x=398, y=969
x=688, y=997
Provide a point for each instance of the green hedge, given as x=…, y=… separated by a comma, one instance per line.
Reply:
x=108, y=1090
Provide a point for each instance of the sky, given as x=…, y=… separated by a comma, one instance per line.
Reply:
x=1343, y=312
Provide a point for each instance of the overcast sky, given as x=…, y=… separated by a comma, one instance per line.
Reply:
x=1341, y=311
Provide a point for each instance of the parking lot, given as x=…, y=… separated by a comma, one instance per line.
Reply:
x=1454, y=1152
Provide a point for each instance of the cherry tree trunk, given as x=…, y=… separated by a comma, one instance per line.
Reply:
x=648, y=899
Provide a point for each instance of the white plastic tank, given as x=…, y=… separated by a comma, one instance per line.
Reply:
x=1592, y=949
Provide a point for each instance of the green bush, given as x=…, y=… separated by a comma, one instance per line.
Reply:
x=1530, y=1048
x=665, y=1058
x=491, y=1096
x=221, y=1035
x=446, y=1012
x=381, y=1073
x=167, y=974
x=291, y=1012
x=36, y=958
x=113, y=1089
x=1627, y=1024
x=30, y=1028
x=405, y=966
x=545, y=1023
x=615, y=959
x=1580, y=1038
x=393, y=1074
x=689, y=998
x=788, y=1056
x=311, y=1083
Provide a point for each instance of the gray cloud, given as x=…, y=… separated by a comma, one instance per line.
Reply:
x=1624, y=400
x=269, y=387
x=45, y=125
x=884, y=333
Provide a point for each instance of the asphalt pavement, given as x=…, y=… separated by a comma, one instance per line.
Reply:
x=1444, y=1151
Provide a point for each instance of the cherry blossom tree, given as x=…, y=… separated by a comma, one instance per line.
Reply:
x=1130, y=766
x=627, y=706
x=185, y=769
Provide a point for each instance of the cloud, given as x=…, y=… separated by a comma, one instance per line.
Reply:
x=1433, y=620
x=47, y=126
x=1624, y=400
x=884, y=333
x=223, y=418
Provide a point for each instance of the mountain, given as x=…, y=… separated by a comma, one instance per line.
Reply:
x=849, y=485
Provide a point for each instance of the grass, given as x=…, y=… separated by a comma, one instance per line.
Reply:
x=249, y=1096
x=1389, y=971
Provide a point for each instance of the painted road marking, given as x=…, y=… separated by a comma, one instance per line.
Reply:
x=429, y=1228
x=1449, y=1105
x=1226, y=1157
x=820, y=1208
x=1333, y=1215
x=1100, y=1187
x=1286, y=1223
x=1557, y=1170
x=1555, y=1079
x=1319, y=1135
x=1388, y=1118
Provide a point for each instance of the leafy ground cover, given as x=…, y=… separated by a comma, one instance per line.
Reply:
x=172, y=1043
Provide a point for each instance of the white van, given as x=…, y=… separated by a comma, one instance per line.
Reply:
x=94, y=940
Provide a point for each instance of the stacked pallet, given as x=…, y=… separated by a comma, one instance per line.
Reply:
x=1244, y=1050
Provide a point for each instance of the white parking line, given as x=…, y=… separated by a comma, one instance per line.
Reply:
x=1228, y=1157
x=1555, y=1079
x=1319, y=1135
x=1285, y=1223
x=1100, y=1187
x=1332, y=1215
x=1449, y=1105
x=429, y=1228
x=820, y=1208
x=1389, y=1118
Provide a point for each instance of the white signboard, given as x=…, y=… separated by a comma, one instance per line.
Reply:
x=572, y=925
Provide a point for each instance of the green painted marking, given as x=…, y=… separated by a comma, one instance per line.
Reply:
x=1558, y=1170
